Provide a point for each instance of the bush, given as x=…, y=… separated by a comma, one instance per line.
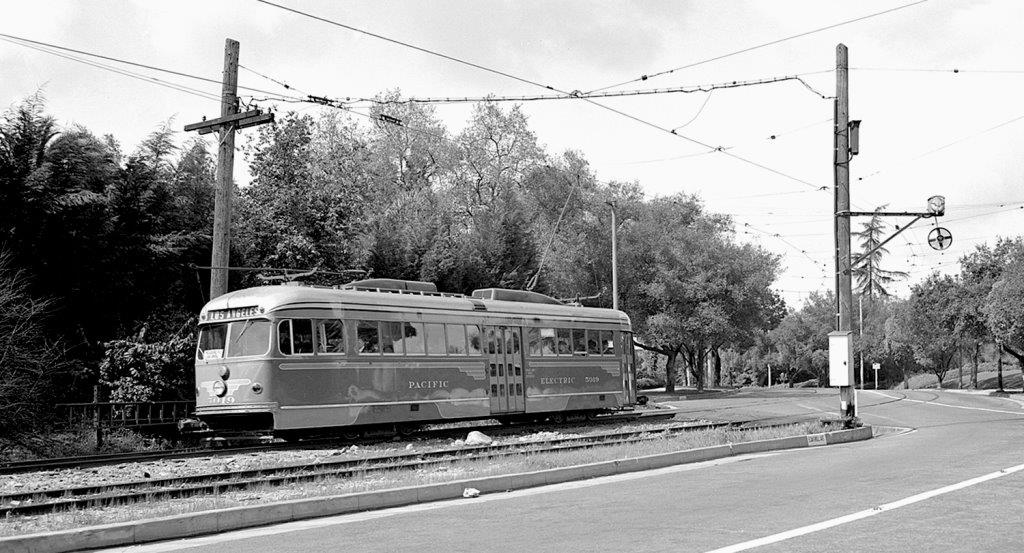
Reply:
x=137, y=370
x=646, y=383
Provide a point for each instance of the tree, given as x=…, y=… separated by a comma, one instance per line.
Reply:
x=31, y=360
x=689, y=287
x=871, y=278
x=1004, y=310
x=801, y=339
x=308, y=193
x=926, y=324
x=983, y=270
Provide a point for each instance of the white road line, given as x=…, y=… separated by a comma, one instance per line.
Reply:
x=775, y=538
x=950, y=406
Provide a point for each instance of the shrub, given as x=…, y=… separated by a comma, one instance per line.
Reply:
x=137, y=370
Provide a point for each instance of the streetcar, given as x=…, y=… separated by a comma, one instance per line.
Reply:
x=384, y=353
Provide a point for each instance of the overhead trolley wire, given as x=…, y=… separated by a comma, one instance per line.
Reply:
x=757, y=46
x=548, y=87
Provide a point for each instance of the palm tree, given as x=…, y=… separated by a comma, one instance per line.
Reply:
x=872, y=280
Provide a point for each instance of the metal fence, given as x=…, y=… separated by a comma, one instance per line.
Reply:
x=137, y=414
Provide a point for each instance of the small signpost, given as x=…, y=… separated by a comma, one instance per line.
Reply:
x=876, y=366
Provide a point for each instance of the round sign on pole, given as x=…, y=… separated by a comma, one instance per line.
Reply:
x=940, y=238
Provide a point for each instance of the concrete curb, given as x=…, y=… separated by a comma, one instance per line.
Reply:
x=209, y=522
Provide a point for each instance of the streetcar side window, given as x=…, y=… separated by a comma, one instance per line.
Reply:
x=548, y=341
x=414, y=339
x=330, y=336
x=391, y=338
x=594, y=342
x=284, y=336
x=295, y=336
x=435, y=338
x=607, y=342
x=564, y=339
x=251, y=337
x=473, y=337
x=456, y=339
x=533, y=338
x=368, y=336
x=212, y=339
x=579, y=342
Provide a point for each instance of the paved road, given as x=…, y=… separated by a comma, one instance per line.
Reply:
x=938, y=488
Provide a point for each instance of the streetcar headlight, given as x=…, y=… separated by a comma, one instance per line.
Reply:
x=225, y=372
x=220, y=389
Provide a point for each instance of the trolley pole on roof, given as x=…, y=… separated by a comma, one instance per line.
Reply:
x=615, y=260
x=842, y=375
x=228, y=122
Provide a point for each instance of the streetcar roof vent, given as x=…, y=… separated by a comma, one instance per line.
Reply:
x=396, y=286
x=514, y=295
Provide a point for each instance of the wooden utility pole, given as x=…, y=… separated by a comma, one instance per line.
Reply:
x=842, y=156
x=228, y=122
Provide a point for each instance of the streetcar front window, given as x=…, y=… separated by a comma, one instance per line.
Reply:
x=250, y=337
x=234, y=339
x=212, y=339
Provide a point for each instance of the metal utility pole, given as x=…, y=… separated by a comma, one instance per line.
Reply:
x=615, y=261
x=228, y=122
x=842, y=156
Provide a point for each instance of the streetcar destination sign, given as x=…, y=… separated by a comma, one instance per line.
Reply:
x=233, y=313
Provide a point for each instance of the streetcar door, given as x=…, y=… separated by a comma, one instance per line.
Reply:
x=514, y=369
x=505, y=369
x=628, y=364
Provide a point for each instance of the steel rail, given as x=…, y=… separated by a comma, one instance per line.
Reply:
x=26, y=503
x=86, y=461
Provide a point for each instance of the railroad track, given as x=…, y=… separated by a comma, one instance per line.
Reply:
x=87, y=461
x=59, y=499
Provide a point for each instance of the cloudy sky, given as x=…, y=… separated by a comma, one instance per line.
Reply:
x=926, y=129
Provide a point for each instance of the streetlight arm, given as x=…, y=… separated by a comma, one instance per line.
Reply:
x=866, y=256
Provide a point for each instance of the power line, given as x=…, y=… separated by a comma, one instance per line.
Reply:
x=534, y=83
x=700, y=110
x=939, y=70
x=758, y=46
x=944, y=146
x=577, y=95
x=787, y=242
x=771, y=137
x=124, y=61
x=407, y=45
x=720, y=149
x=285, y=85
x=124, y=72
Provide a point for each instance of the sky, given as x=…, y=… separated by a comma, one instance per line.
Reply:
x=927, y=129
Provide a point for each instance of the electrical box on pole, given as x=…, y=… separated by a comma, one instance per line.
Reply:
x=854, y=137
x=840, y=358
